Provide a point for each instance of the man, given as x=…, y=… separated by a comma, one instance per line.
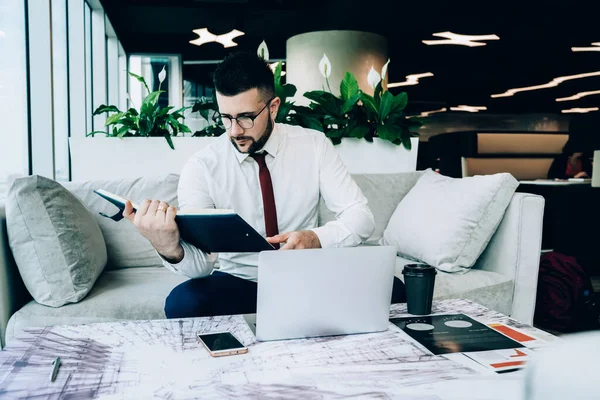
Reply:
x=273, y=176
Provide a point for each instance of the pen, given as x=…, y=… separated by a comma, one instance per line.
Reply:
x=55, y=364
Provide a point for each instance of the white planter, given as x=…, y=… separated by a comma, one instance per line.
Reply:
x=113, y=158
x=378, y=157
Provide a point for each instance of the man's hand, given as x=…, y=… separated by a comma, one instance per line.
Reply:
x=581, y=174
x=155, y=220
x=297, y=240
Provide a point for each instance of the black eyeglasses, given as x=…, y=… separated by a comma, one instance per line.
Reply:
x=244, y=121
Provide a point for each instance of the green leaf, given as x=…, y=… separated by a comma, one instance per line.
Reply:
x=169, y=140
x=386, y=132
x=122, y=131
x=336, y=141
x=407, y=143
x=95, y=132
x=128, y=121
x=289, y=90
x=277, y=75
x=174, y=123
x=348, y=87
x=104, y=108
x=359, y=131
x=321, y=96
x=377, y=94
x=327, y=101
x=133, y=111
x=184, y=128
x=335, y=133
x=145, y=126
x=313, y=123
x=163, y=111
x=152, y=98
x=369, y=103
x=204, y=105
x=351, y=102
x=140, y=79
x=147, y=110
x=387, y=103
x=113, y=118
x=400, y=101
x=283, y=112
x=182, y=109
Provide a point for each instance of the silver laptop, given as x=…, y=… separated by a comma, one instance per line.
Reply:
x=322, y=292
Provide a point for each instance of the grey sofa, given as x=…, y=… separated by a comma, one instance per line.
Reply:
x=504, y=278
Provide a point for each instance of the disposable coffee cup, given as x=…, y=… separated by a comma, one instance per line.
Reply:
x=419, y=280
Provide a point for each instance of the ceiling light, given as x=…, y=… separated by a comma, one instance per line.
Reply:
x=579, y=110
x=555, y=82
x=578, y=96
x=468, y=108
x=204, y=36
x=595, y=47
x=2, y=34
x=461, y=40
x=428, y=113
x=410, y=80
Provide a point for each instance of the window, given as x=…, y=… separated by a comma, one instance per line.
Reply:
x=14, y=158
x=149, y=66
x=60, y=90
x=87, y=17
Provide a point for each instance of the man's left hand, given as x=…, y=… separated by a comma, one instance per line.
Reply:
x=296, y=240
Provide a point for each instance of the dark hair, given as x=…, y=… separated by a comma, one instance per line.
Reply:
x=582, y=133
x=242, y=71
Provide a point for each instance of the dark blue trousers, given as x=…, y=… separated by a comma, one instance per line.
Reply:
x=224, y=294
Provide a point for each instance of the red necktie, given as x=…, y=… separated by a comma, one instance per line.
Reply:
x=266, y=187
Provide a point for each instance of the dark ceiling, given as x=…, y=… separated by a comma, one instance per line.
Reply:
x=534, y=47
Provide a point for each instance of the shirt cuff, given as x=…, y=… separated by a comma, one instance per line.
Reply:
x=172, y=266
x=327, y=236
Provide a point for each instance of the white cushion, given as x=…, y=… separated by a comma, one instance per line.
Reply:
x=448, y=222
x=383, y=192
x=125, y=246
x=56, y=242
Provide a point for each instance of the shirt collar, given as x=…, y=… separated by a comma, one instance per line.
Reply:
x=271, y=147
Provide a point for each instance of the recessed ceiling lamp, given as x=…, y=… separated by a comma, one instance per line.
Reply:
x=2, y=34
x=204, y=36
x=579, y=110
x=460, y=40
x=578, y=96
x=553, y=83
x=410, y=80
x=595, y=47
x=468, y=108
x=428, y=113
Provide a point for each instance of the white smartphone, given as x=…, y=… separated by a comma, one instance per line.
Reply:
x=221, y=344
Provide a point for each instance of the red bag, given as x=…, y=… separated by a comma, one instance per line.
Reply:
x=565, y=296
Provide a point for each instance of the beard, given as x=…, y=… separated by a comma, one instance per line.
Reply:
x=256, y=145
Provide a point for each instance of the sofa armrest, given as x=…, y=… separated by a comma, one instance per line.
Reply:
x=13, y=294
x=514, y=251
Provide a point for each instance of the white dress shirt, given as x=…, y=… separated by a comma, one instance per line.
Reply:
x=304, y=166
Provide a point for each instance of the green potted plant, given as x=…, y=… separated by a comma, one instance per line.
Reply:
x=371, y=133
x=134, y=145
x=151, y=120
x=356, y=114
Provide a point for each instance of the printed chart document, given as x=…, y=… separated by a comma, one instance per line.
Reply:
x=495, y=347
x=453, y=333
x=210, y=230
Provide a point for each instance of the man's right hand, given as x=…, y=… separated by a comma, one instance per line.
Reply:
x=155, y=220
